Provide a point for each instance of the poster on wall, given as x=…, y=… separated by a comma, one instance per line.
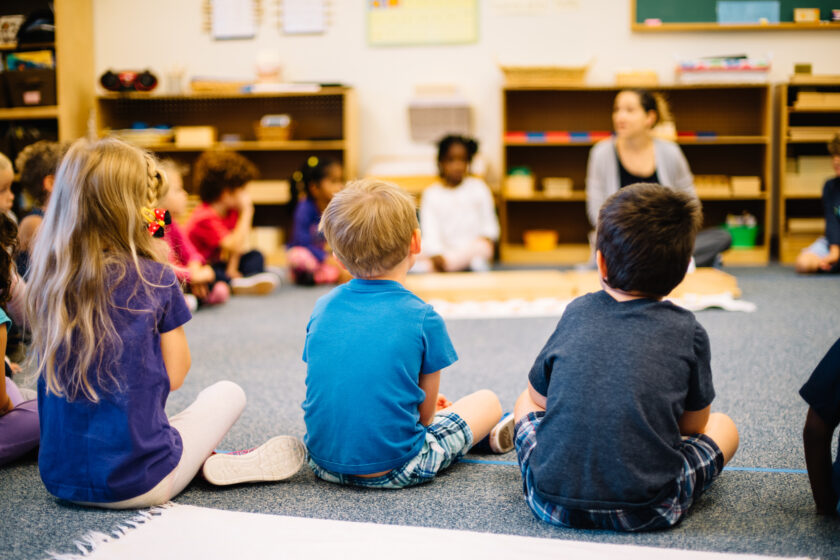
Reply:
x=422, y=22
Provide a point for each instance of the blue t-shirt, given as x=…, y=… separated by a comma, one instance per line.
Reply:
x=305, y=233
x=367, y=343
x=617, y=377
x=822, y=393
x=122, y=446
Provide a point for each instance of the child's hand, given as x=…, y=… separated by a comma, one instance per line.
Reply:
x=15, y=368
x=243, y=200
x=201, y=274
x=438, y=263
x=442, y=402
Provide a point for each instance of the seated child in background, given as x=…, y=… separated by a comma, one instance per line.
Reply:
x=7, y=196
x=37, y=164
x=822, y=393
x=824, y=254
x=108, y=344
x=457, y=214
x=198, y=277
x=220, y=226
x=614, y=431
x=309, y=259
x=374, y=352
x=19, y=428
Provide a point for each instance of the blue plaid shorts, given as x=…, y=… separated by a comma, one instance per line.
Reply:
x=702, y=463
x=448, y=438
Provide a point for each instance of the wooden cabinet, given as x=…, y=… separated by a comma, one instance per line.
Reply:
x=66, y=120
x=323, y=125
x=809, y=117
x=724, y=130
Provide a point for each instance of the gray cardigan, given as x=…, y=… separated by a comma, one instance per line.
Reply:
x=602, y=172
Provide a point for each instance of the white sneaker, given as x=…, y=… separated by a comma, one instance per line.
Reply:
x=478, y=264
x=192, y=302
x=258, y=284
x=277, y=459
x=501, y=436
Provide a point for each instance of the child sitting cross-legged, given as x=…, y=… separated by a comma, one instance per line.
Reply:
x=615, y=430
x=374, y=352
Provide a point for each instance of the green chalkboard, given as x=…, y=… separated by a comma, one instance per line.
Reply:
x=705, y=11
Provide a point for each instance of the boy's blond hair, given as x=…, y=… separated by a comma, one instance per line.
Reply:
x=368, y=226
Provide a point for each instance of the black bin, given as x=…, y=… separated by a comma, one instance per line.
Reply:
x=30, y=88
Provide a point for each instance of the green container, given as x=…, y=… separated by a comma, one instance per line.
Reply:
x=742, y=236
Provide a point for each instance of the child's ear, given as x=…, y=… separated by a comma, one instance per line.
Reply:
x=49, y=182
x=602, y=264
x=414, y=247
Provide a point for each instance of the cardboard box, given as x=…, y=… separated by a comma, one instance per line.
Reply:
x=519, y=186
x=814, y=226
x=815, y=165
x=195, y=136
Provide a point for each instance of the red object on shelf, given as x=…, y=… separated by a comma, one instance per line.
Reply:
x=516, y=137
x=557, y=136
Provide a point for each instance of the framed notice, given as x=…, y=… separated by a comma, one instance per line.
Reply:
x=422, y=22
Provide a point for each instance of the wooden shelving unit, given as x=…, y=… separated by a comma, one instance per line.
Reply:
x=74, y=72
x=800, y=189
x=324, y=125
x=733, y=126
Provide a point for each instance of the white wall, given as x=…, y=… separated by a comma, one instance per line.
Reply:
x=160, y=34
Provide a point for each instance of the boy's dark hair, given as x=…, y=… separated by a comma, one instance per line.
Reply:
x=834, y=145
x=8, y=243
x=217, y=170
x=646, y=234
x=447, y=142
x=313, y=170
x=35, y=163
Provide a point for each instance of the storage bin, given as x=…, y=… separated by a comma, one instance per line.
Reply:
x=540, y=239
x=29, y=88
x=742, y=236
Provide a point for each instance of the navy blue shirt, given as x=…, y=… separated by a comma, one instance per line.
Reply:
x=822, y=393
x=367, y=344
x=617, y=377
x=122, y=446
x=305, y=233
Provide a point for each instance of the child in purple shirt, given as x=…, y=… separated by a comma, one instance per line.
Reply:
x=108, y=345
x=309, y=259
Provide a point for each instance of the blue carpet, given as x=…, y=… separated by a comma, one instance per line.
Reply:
x=762, y=504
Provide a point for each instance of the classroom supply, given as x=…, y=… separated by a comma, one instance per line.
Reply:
x=195, y=136
x=743, y=228
x=712, y=185
x=806, y=15
x=737, y=69
x=9, y=26
x=540, y=239
x=30, y=60
x=27, y=88
x=128, y=80
x=745, y=185
x=560, y=187
x=740, y=11
x=274, y=128
x=636, y=78
x=813, y=226
x=519, y=183
x=517, y=76
x=438, y=110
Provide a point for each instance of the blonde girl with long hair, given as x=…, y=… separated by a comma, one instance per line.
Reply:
x=108, y=344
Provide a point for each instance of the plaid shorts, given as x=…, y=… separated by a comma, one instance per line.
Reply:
x=702, y=463
x=448, y=438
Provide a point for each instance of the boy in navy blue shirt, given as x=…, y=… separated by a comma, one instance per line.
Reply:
x=374, y=352
x=822, y=393
x=823, y=255
x=615, y=431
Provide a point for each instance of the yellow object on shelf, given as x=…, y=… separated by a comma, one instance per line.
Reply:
x=540, y=239
x=558, y=186
x=195, y=136
x=517, y=76
x=745, y=185
x=519, y=185
x=637, y=78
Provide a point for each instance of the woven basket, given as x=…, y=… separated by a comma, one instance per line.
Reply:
x=544, y=75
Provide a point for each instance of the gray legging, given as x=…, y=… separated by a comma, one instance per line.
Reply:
x=710, y=243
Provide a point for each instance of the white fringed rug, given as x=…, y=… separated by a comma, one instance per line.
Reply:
x=179, y=531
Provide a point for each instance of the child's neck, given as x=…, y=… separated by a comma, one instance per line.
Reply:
x=398, y=274
x=621, y=295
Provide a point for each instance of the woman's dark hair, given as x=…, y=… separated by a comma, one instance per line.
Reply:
x=8, y=243
x=646, y=235
x=648, y=101
x=470, y=144
x=217, y=170
x=314, y=170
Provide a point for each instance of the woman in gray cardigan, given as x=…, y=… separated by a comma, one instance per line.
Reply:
x=635, y=155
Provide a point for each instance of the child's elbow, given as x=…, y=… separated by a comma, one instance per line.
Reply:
x=815, y=430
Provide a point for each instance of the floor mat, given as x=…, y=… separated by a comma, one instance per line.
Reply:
x=178, y=531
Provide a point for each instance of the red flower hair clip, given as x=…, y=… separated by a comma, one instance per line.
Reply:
x=157, y=219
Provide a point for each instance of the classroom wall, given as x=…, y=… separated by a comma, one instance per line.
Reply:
x=160, y=34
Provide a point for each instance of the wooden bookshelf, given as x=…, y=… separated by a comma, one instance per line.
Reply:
x=324, y=125
x=732, y=136
x=74, y=77
x=800, y=187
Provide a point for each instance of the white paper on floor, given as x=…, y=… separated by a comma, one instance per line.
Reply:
x=551, y=307
x=177, y=531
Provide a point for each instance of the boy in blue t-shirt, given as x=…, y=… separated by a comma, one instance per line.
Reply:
x=615, y=431
x=374, y=352
x=822, y=393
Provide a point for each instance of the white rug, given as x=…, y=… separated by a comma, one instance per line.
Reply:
x=551, y=307
x=177, y=531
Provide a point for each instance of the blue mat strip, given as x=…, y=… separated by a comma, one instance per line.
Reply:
x=746, y=469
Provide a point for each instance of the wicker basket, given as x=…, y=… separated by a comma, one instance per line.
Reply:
x=516, y=76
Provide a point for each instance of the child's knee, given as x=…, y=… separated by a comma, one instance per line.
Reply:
x=232, y=393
